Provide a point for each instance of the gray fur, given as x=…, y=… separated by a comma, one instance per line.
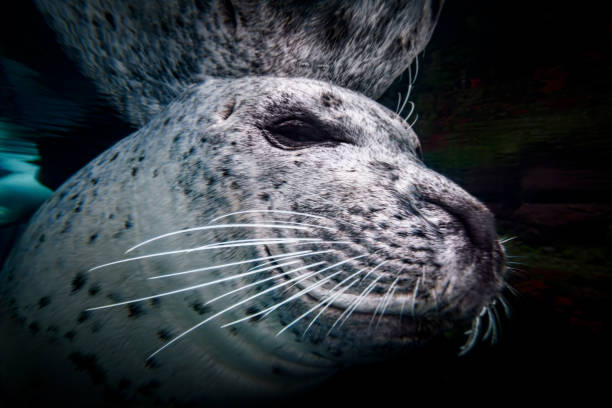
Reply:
x=144, y=53
x=208, y=154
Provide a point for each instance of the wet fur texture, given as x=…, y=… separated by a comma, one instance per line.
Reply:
x=410, y=253
x=209, y=154
x=143, y=55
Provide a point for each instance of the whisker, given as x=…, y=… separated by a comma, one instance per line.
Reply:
x=505, y=305
x=344, y=280
x=355, y=304
x=504, y=240
x=272, y=308
x=399, y=100
x=349, y=310
x=409, y=113
x=328, y=300
x=414, y=121
x=212, y=227
x=200, y=285
x=183, y=334
x=292, y=256
x=264, y=280
x=414, y=296
x=388, y=297
x=205, y=248
x=268, y=211
x=474, y=334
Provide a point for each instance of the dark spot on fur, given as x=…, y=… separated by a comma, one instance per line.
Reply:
x=113, y=157
x=176, y=138
x=164, y=334
x=73, y=197
x=297, y=163
x=111, y=20
x=94, y=290
x=134, y=171
x=225, y=172
x=233, y=331
x=264, y=196
x=41, y=239
x=155, y=302
x=251, y=311
x=79, y=280
x=149, y=388
x=278, y=183
x=94, y=181
x=419, y=233
x=70, y=335
x=111, y=216
x=96, y=327
x=166, y=121
x=92, y=238
x=34, y=327
x=330, y=100
x=88, y=363
x=200, y=308
x=84, y=315
x=44, y=301
x=78, y=207
x=155, y=173
x=135, y=310
x=151, y=363
x=128, y=223
x=203, y=139
x=234, y=185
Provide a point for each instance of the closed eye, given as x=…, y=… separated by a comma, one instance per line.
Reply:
x=299, y=133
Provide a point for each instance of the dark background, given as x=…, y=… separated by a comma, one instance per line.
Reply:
x=514, y=104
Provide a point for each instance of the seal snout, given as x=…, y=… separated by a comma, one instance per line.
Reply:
x=477, y=220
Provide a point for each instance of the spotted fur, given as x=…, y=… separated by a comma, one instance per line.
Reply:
x=214, y=151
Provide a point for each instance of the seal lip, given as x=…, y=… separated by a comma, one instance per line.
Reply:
x=396, y=305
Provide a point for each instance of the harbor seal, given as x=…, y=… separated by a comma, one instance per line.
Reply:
x=252, y=238
x=143, y=53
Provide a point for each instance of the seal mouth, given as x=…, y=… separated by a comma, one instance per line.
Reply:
x=387, y=304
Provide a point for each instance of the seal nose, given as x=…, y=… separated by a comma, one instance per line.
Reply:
x=477, y=220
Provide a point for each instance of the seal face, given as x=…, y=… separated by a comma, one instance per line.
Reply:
x=251, y=238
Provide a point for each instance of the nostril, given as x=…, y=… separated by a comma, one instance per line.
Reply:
x=477, y=220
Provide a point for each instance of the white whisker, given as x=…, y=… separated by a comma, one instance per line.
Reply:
x=414, y=296
x=282, y=258
x=399, y=100
x=414, y=121
x=339, y=284
x=409, y=113
x=259, y=282
x=275, y=257
x=326, y=301
x=270, y=309
x=183, y=334
x=388, y=297
x=232, y=244
x=267, y=211
x=349, y=310
x=212, y=227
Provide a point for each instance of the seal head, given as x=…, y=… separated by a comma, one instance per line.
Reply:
x=250, y=239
